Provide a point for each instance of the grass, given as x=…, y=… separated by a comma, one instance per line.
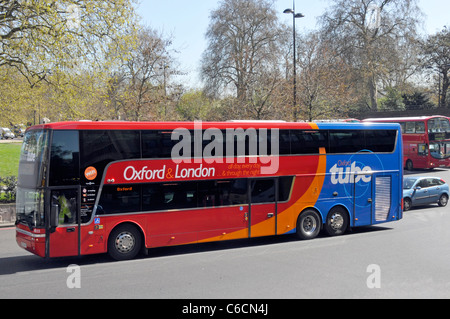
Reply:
x=9, y=159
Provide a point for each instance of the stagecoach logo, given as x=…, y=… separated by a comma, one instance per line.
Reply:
x=345, y=172
x=90, y=173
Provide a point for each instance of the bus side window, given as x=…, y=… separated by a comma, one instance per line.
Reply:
x=410, y=127
x=99, y=148
x=263, y=191
x=119, y=199
x=207, y=194
x=284, y=188
x=64, y=159
x=346, y=142
x=380, y=141
x=420, y=127
x=307, y=142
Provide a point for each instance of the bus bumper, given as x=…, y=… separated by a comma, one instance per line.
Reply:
x=32, y=241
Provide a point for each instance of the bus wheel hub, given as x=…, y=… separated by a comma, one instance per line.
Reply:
x=124, y=242
x=337, y=221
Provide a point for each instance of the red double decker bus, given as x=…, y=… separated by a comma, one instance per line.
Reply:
x=426, y=140
x=121, y=187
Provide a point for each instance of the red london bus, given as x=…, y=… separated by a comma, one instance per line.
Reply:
x=124, y=187
x=426, y=140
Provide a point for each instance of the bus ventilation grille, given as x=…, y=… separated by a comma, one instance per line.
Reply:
x=382, y=198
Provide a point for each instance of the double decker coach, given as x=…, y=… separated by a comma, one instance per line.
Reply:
x=122, y=187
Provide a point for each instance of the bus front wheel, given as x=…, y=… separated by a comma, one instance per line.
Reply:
x=409, y=165
x=308, y=225
x=124, y=242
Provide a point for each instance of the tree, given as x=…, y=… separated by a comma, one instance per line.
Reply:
x=148, y=71
x=194, y=105
x=393, y=101
x=370, y=35
x=436, y=56
x=18, y=103
x=262, y=103
x=116, y=93
x=325, y=89
x=242, y=38
x=417, y=101
x=38, y=37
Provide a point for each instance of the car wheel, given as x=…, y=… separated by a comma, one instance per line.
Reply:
x=407, y=204
x=443, y=201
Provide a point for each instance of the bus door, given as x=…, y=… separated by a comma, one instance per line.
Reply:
x=363, y=199
x=263, y=207
x=64, y=227
x=373, y=199
x=423, y=156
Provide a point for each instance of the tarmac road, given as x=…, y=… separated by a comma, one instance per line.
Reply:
x=405, y=259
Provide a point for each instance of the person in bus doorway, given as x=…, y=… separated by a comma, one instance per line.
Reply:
x=65, y=212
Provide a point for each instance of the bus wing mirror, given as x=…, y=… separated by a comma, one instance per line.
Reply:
x=54, y=216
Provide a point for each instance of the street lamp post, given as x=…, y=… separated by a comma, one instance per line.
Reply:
x=294, y=16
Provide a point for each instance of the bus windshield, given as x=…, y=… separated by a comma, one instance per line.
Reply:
x=439, y=131
x=440, y=150
x=30, y=193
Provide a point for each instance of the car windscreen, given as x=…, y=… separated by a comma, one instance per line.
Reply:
x=408, y=183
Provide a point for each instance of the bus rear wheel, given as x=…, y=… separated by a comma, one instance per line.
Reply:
x=337, y=222
x=124, y=242
x=308, y=225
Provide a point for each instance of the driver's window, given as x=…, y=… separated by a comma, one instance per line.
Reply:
x=66, y=202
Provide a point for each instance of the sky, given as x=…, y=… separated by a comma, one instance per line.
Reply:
x=186, y=22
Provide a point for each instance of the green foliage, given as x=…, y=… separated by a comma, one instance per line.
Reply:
x=40, y=37
x=56, y=58
x=92, y=60
x=9, y=167
x=8, y=189
x=436, y=56
x=417, y=101
x=392, y=101
x=194, y=105
x=9, y=159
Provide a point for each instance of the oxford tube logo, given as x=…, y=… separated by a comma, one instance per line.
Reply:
x=345, y=172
